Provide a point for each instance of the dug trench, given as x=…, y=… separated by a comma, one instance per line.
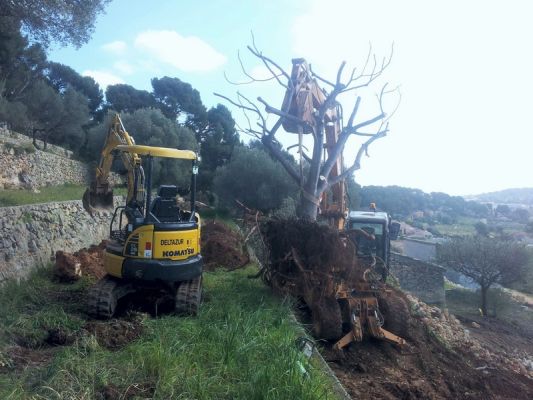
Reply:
x=441, y=359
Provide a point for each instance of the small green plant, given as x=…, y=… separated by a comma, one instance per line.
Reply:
x=26, y=217
x=19, y=149
x=28, y=148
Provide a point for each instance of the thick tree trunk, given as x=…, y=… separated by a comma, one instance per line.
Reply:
x=484, y=292
x=307, y=208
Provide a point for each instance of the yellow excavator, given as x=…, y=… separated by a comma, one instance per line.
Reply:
x=153, y=243
x=360, y=302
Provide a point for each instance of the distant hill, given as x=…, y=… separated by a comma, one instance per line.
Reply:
x=507, y=196
x=401, y=202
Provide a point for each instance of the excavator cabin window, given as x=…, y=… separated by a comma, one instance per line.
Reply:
x=368, y=238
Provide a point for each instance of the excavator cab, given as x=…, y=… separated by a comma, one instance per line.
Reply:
x=372, y=231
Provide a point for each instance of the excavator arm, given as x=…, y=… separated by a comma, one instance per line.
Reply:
x=100, y=193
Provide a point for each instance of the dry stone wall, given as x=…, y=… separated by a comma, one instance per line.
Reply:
x=423, y=279
x=31, y=234
x=22, y=166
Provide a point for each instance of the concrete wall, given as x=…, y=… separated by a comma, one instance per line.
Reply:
x=419, y=249
x=423, y=279
x=31, y=234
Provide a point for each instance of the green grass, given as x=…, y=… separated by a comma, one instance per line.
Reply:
x=240, y=346
x=466, y=303
x=31, y=308
x=219, y=215
x=18, y=149
x=45, y=195
x=463, y=227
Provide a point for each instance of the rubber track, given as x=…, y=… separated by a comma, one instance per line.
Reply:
x=189, y=296
x=102, y=299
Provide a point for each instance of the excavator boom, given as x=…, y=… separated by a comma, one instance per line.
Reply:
x=99, y=195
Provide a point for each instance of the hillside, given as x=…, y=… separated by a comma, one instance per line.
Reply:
x=507, y=196
x=402, y=202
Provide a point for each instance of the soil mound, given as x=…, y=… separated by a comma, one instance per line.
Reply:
x=222, y=247
x=69, y=267
x=440, y=361
x=116, y=333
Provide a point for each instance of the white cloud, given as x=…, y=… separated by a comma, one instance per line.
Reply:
x=117, y=47
x=189, y=54
x=260, y=72
x=464, y=70
x=103, y=78
x=124, y=67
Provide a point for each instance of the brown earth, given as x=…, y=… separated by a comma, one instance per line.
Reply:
x=116, y=333
x=19, y=357
x=222, y=247
x=85, y=262
x=441, y=360
x=143, y=390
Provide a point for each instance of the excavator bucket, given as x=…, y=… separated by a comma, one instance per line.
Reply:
x=93, y=201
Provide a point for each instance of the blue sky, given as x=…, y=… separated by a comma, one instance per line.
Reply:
x=464, y=70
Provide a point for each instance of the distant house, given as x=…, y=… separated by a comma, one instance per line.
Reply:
x=417, y=214
x=410, y=231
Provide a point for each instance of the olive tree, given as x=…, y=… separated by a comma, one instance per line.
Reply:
x=311, y=108
x=485, y=260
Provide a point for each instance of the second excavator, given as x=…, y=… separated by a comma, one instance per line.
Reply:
x=366, y=306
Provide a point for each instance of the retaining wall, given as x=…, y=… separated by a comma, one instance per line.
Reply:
x=31, y=234
x=423, y=279
x=22, y=166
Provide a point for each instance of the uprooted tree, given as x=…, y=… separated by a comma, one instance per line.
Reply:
x=310, y=109
x=306, y=260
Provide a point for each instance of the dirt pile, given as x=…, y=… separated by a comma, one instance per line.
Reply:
x=440, y=361
x=85, y=262
x=116, y=333
x=222, y=247
x=450, y=331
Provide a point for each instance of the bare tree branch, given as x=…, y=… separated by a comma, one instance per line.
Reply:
x=268, y=143
x=357, y=162
x=305, y=156
x=282, y=114
x=354, y=111
x=269, y=63
x=234, y=103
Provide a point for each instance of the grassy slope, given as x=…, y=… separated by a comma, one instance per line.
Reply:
x=241, y=346
x=45, y=195
x=463, y=227
x=467, y=303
